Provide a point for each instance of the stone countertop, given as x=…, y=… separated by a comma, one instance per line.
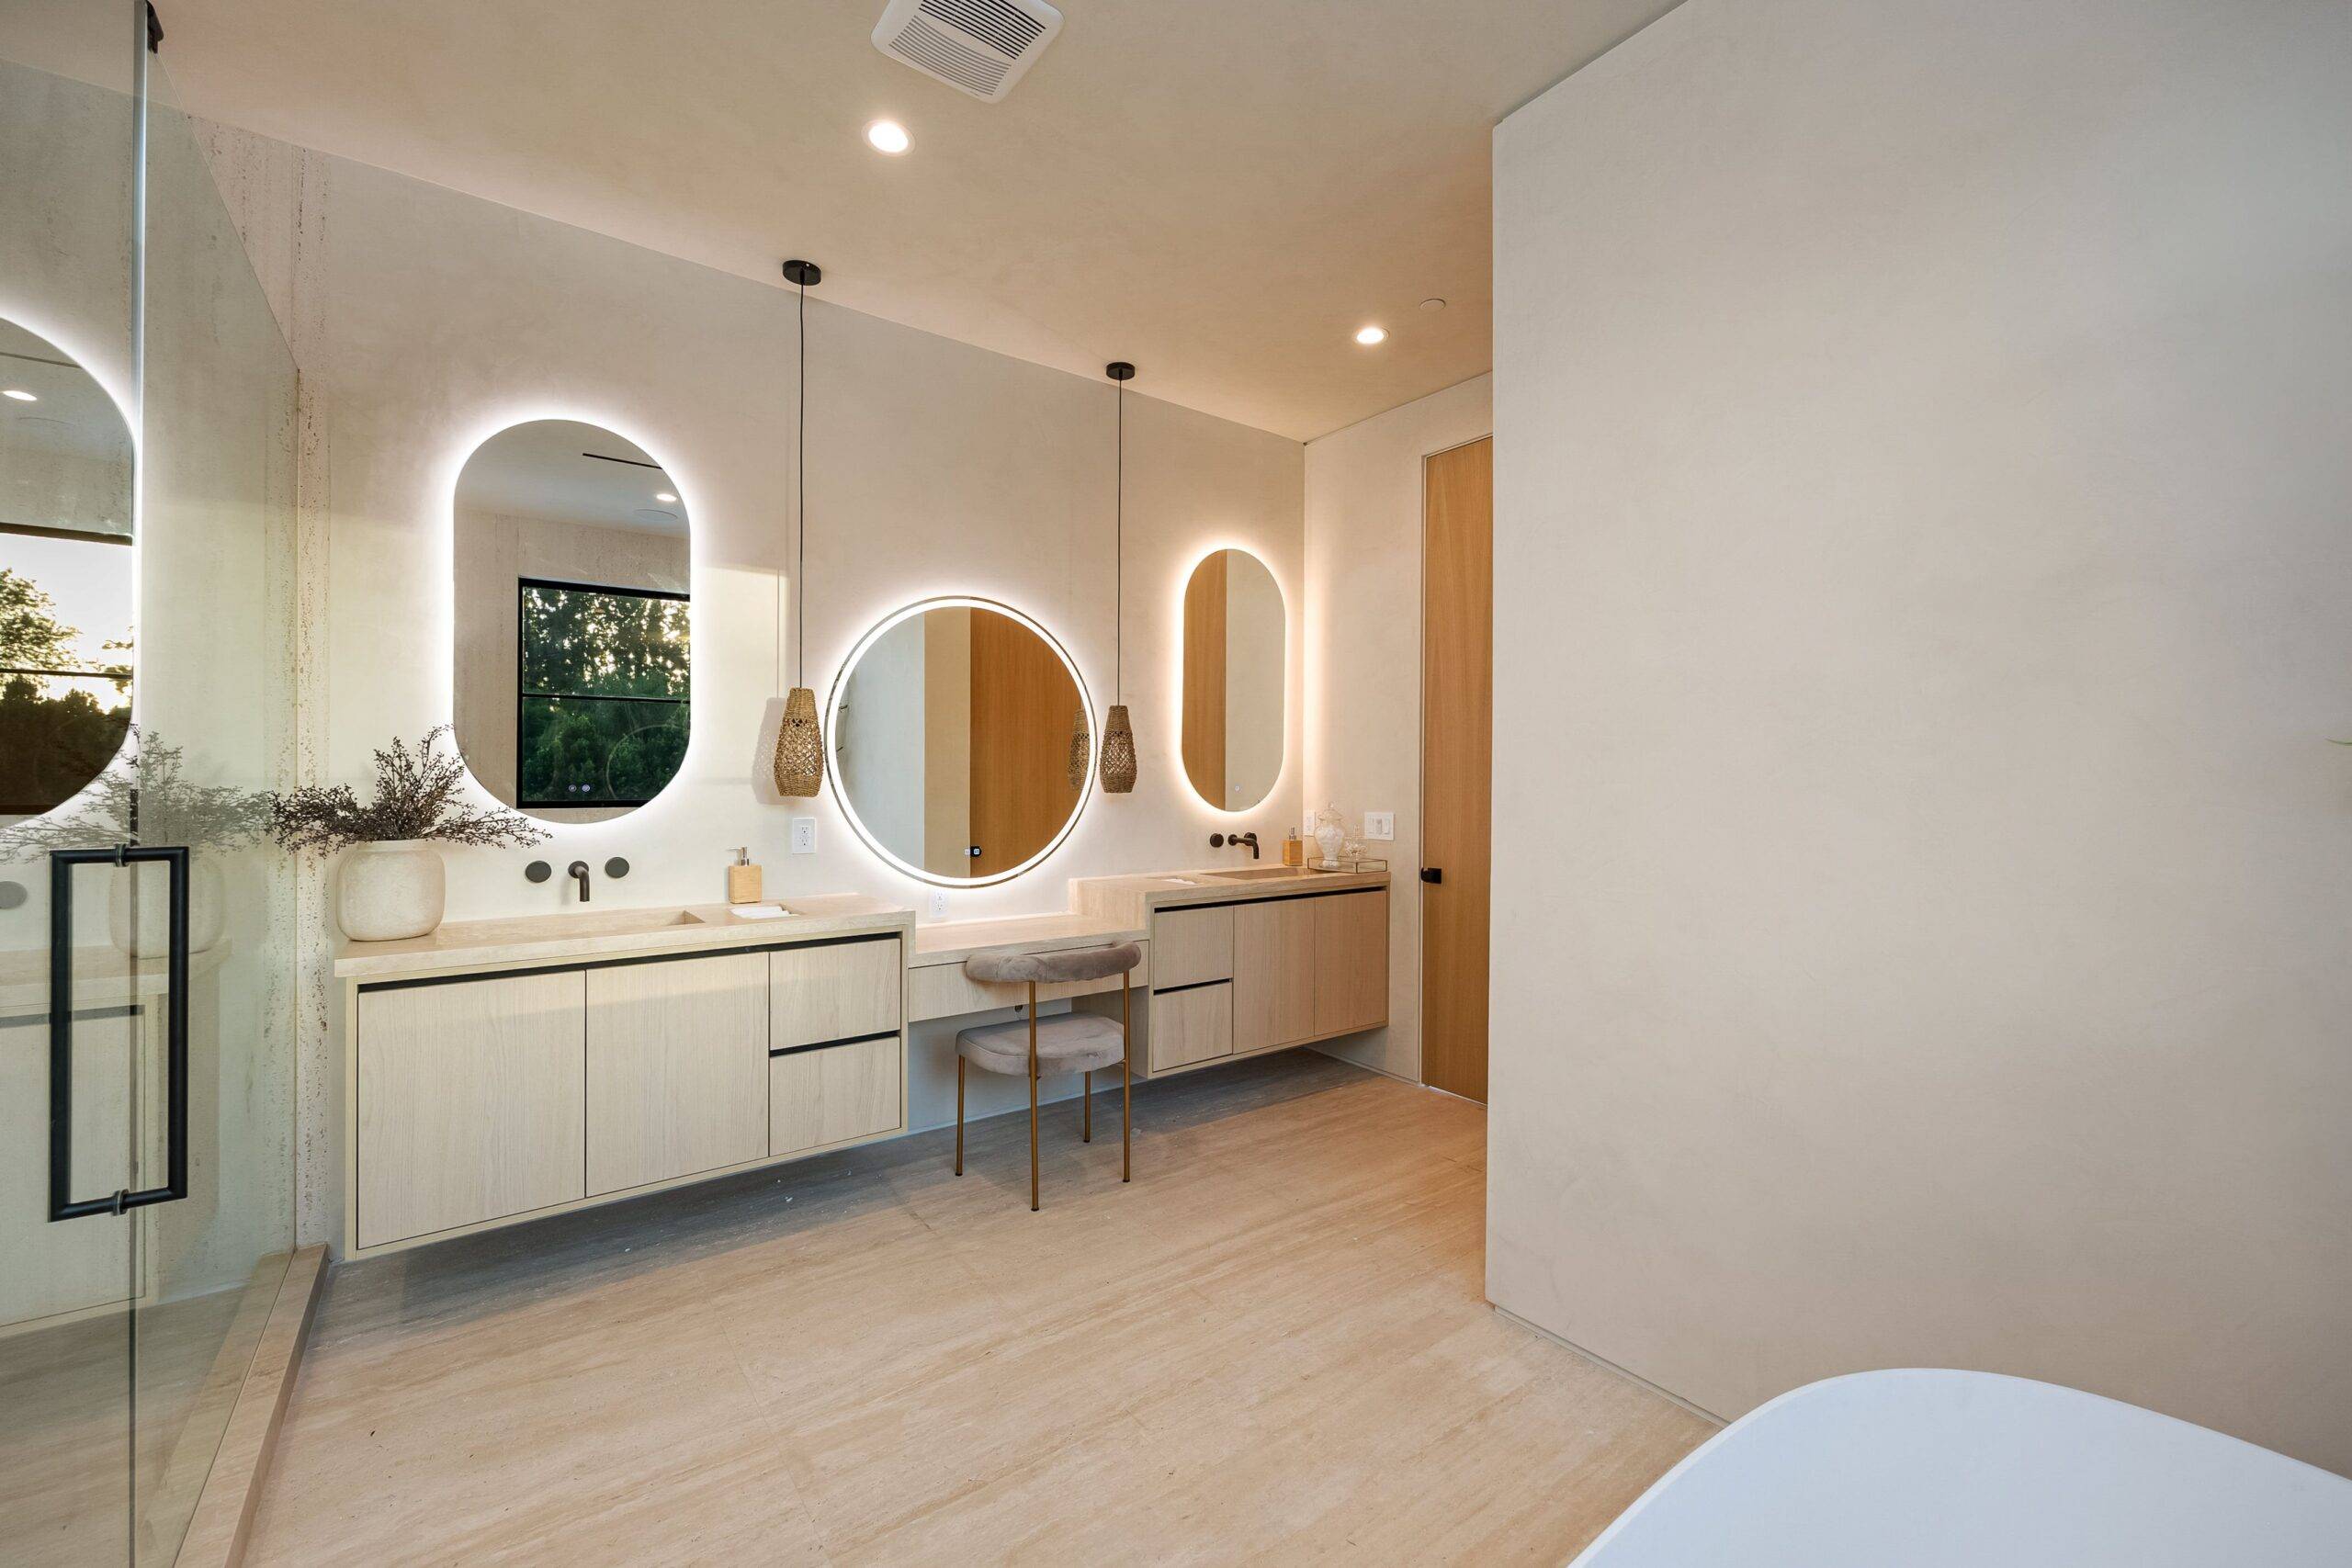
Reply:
x=610, y=933
x=1129, y=900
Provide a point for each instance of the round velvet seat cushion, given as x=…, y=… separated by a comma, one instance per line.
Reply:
x=1071, y=1042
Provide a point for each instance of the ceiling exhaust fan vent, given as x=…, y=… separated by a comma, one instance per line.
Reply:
x=980, y=47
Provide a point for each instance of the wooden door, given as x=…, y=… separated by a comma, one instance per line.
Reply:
x=1273, y=974
x=1457, y=761
x=1350, y=962
x=1023, y=706
x=677, y=1068
x=470, y=1104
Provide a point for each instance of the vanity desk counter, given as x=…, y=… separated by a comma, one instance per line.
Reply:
x=938, y=987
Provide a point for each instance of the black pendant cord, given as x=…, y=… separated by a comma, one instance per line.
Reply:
x=800, y=518
x=1119, y=562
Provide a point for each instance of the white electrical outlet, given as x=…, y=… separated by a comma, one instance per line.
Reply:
x=1380, y=826
x=804, y=835
x=938, y=904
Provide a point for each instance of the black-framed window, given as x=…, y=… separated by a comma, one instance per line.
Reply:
x=601, y=692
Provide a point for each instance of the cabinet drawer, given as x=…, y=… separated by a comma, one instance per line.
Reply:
x=836, y=990
x=469, y=1101
x=833, y=1094
x=1192, y=945
x=1189, y=1026
x=677, y=1068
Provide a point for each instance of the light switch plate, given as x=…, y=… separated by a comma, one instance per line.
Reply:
x=1380, y=827
x=804, y=835
x=938, y=904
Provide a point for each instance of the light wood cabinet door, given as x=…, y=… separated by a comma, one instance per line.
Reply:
x=1191, y=1026
x=833, y=1094
x=1273, y=974
x=470, y=1103
x=833, y=990
x=1189, y=947
x=677, y=1068
x=1351, y=961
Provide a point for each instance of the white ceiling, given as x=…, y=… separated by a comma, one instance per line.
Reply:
x=1219, y=190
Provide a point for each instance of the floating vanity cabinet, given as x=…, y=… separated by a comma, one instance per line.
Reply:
x=677, y=1068
x=1256, y=965
x=1350, y=962
x=502, y=1070
x=469, y=1101
x=1273, y=958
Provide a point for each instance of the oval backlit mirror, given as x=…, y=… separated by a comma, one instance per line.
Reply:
x=66, y=594
x=952, y=727
x=1234, y=680
x=574, y=585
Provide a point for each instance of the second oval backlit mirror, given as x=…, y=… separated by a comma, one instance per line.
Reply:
x=951, y=733
x=573, y=584
x=1234, y=679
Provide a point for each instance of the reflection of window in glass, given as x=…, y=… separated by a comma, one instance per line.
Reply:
x=64, y=662
x=603, y=696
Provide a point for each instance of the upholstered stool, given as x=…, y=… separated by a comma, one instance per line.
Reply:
x=1073, y=1042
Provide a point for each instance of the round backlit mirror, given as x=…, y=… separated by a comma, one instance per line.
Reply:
x=962, y=741
x=1234, y=678
x=573, y=583
x=66, y=597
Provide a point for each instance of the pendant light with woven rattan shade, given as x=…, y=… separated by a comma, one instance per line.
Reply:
x=1118, y=734
x=799, y=739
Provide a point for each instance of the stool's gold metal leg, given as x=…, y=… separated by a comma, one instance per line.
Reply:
x=1033, y=1097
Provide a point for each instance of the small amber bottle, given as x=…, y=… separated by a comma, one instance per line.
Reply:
x=1293, y=850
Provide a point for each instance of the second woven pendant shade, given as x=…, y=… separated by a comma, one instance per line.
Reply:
x=799, y=748
x=1118, y=752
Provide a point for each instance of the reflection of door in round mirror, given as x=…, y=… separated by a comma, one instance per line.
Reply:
x=951, y=731
x=572, y=579
x=1234, y=680
x=65, y=576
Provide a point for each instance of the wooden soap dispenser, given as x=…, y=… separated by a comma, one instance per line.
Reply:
x=744, y=879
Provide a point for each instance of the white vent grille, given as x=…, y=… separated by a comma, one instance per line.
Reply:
x=980, y=47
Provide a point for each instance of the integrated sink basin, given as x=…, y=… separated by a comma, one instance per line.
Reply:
x=613, y=922
x=1257, y=873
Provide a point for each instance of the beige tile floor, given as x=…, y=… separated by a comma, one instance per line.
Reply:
x=1271, y=1346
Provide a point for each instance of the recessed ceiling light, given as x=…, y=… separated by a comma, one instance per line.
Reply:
x=1433, y=303
x=888, y=136
x=663, y=495
x=1370, y=335
x=20, y=395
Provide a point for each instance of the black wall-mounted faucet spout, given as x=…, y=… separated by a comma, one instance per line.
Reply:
x=1218, y=842
x=577, y=871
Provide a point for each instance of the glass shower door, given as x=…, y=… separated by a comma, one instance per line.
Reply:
x=69, y=373
x=146, y=706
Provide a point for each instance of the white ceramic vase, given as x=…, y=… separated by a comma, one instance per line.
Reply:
x=390, y=890
x=208, y=908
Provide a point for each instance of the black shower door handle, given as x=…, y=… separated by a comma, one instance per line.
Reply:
x=63, y=1204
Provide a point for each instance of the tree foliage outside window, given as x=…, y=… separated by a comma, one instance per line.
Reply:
x=604, y=697
x=60, y=721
